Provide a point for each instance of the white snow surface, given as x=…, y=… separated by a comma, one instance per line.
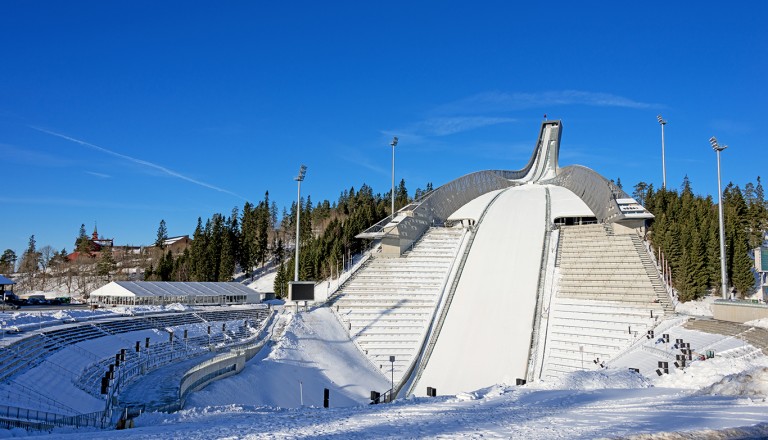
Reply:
x=499, y=284
x=312, y=349
x=762, y=322
x=700, y=307
x=263, y=401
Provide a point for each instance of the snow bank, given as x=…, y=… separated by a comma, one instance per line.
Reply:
x=752, y=383
x=763, y=322
x=699, y=307
x=596, y=380
x=701, y=375
x=176, y=307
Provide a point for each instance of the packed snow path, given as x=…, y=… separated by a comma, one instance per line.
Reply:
x=496, y=412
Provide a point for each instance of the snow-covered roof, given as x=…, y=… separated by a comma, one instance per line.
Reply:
x=6, y=281
x=170, y=288
x=171, y=240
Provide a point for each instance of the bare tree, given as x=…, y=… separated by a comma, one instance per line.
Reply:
x=46, y=255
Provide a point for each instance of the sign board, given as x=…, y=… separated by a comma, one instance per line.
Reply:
x=763, y=259
x=301, y=291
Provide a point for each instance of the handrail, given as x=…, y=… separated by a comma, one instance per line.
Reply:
x=532, y=350
x=669, y=289
x=438, y=325
x=414, y=361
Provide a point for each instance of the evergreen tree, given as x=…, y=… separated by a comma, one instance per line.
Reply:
x=401, y=195
x=106, y=263
x=248, y=228
x=30, y=260
x=227, y=258
x=262, y=230
x=743, y=279
x=165, y=267
x=198, y=257
x=82, y=242
x=162, y=235
x=280, y=284
x=8, y=262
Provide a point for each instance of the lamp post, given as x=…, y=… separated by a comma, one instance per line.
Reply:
x=299, y=179
x=392, y=390
x=394, y=144
x=723, y=274
x=662, y=122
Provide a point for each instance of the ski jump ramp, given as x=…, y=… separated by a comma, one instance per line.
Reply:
x=485, y=329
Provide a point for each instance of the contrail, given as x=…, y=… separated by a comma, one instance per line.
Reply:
x=139, y=161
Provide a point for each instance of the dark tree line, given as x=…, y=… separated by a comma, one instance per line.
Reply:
x=225, y=245
x=686, y=229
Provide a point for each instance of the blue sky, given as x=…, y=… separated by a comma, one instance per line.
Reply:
x=121, y=114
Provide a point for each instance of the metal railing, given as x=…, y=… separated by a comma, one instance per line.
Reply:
x=532, y=350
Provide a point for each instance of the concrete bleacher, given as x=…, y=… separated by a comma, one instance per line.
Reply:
x=597, y=264
x=387, y=305
x=581, y=331
x=608, y=296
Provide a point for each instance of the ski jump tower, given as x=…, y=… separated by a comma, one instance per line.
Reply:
x=491, y=319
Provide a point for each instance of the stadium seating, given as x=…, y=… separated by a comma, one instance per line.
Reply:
x=388, y=303
x=608, y=295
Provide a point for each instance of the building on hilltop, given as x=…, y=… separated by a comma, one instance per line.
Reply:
x=177, y=245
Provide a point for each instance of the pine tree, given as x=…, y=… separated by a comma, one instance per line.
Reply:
x=743, y=278
x=82, y=242
x=30, y=260
x=106, y=263
x=698, y=278
x=227, y=258
x=8, y=262
x=162, y=235
x=198, y=253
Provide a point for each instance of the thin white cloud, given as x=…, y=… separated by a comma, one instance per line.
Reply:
x=451, y=125
x=26, y=156
x=496, y=101
x=144, y=163
x=353, y=156
x=445, y=126
x=78, y=203
x=101, y=175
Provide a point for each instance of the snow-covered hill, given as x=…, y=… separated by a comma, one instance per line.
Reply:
x=310, y=351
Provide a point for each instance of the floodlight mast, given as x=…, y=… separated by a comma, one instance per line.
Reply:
x=723, y=273
x=662, y=122
x=299, y=179
x=394, y=144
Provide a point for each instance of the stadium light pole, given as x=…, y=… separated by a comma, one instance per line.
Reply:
x=299, y=179
x=392, y=390
x=662, y=122
x=394, y=144
x=723, y=274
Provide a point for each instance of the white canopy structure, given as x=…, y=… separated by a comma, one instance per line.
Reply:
x=130, y=293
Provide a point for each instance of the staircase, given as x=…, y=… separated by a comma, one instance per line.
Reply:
x=653, y=275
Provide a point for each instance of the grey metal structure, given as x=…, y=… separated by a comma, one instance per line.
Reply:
x=399, y=231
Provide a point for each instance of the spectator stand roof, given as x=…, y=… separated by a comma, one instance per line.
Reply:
x=162, y=292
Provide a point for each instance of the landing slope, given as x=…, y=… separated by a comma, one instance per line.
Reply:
x=498, y=285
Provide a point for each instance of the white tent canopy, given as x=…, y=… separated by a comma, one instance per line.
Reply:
x=166, y=292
